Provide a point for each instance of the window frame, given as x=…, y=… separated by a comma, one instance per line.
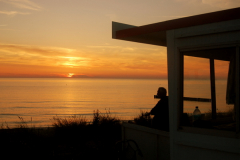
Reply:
x=186, y=51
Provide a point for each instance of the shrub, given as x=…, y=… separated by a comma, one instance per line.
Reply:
x=72, y=121
x=4, y=126
x=23, y=124
x=144, y=119
x=104, y=119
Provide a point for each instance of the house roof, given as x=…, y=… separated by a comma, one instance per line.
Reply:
x=156, y=33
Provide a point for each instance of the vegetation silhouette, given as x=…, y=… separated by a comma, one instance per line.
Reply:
x=68, y=138
x=144, y=119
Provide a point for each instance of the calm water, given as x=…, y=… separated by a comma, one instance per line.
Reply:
x=37, y=101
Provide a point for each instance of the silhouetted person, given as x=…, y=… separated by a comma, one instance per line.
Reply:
x=160, y=111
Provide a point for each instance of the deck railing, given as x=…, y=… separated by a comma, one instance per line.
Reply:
x=148, y=143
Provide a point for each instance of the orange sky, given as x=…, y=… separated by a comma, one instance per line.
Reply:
x=42, y=38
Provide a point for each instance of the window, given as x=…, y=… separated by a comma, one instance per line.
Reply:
x=209, y=86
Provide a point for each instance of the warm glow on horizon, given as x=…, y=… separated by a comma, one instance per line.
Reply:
x=73, y=39
x=70, y=75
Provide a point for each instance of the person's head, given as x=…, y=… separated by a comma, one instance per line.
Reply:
x=162, y=92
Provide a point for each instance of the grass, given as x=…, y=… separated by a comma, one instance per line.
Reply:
x=72, y=121
x=104, y=119
x=4, y=126
x=68, y=138
x=143, y=119
x=22, y=124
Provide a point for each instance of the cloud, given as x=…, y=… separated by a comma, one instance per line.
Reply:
x=23, y=4
x=13, y=13
x=46, y=51
x=170, y=17
x=34, y=55
x=89, y=61
x=222, y=3
x=109, y=49
x=103, y=46
x=130, y=58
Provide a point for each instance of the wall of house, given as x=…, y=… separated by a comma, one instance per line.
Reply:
x=189, y=152
x=186, y=143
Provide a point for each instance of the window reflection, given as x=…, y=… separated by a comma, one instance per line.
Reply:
x=199, y=94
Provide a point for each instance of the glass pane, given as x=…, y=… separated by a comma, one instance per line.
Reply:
x=225, y=119
x=197, y=105
x=196, y=89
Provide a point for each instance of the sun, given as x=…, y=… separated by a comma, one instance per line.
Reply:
x=70, y=75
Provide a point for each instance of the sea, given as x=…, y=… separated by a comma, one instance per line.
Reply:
x=36, y=101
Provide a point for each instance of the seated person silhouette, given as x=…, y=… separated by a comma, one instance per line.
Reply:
x=160, y=111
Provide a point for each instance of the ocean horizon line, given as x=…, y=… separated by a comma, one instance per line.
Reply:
x=106, y=78
x=80, y=78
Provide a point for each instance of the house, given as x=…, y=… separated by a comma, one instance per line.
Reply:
x=213, y=36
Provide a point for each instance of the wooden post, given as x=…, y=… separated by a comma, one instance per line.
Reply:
x=181, y=87
x=213, y=88
x=237, y=103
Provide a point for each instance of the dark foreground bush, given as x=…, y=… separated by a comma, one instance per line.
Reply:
x=144, y=119
x=69, y=138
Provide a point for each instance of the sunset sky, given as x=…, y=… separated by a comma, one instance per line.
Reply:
x=73, y=38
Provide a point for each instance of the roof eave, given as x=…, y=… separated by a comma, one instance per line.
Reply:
x=156, y=33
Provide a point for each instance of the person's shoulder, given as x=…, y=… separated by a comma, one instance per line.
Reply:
x=165, y=99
